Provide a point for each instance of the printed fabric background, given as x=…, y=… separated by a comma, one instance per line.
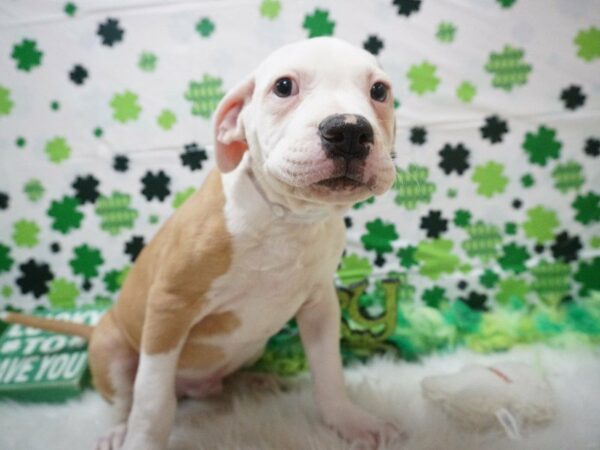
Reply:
x=489, y=238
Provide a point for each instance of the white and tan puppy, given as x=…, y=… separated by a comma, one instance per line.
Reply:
x=306, y=135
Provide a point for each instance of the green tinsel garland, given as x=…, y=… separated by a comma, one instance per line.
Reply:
x=382, y=321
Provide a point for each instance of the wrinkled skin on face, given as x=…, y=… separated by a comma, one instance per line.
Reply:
x=329, y=77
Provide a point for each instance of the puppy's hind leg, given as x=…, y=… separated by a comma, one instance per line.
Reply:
x=114, y=364
x=168, y=319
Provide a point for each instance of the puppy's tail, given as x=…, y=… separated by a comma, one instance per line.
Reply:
x=54, y=325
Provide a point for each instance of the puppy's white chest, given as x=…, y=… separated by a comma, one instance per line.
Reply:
x=265, y=287
x=267, y=283
x=275, y=267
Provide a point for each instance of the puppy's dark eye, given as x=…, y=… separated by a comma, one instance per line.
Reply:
x=379, y=92
x=285, y=87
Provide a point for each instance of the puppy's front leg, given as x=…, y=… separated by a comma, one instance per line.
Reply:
x=319, y=324
x=166, y=325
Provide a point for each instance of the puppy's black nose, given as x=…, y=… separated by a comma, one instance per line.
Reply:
x=346, y=135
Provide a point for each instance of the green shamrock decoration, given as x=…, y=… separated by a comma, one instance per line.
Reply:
x=483, y=241
x=166, y=119
x=527, y=180
x=205, y=27
x=65, y=214
x=540, y=224
x=182, y=196
x=147, y=62
x=354, y=269
x=70, y=9
x=125, y=107
x=62, y=293
x=6, y=104
x=318, y=24
x=508, y=68
x=113, y=279
x=586, y=275
x=115, y=212
x=462, y=218
x=407, y=256
x=25, y=233
x=270, y=9
x=551, y=281
x=568, y=176
x=587, y=207
x=86, y=261
x=436, y=258
x=506, y=3
x=490, y=179
x=379, y=237
x=489, y=278
x=204, y=95
x=6, y=261
x=588, y=44
x=58, y=150
x=6, y=291
x=422, y=78
x=542, y=146
x=34, y=190
x=465, y=268
x=412, y=186
x=27, y=55
x=446, y=32
x=466, y=91
x=510, y=228
x=514, y=257
x=434, y=297
x=511, y=288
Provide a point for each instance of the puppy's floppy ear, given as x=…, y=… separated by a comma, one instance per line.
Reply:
x=230, y=136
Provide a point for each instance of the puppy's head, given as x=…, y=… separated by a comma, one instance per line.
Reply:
x=317, y=117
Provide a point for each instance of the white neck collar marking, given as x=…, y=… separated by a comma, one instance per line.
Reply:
x=282, y=212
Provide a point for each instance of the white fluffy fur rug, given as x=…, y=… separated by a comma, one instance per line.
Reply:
x=287, y=420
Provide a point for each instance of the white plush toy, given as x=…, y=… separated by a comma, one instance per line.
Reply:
x=479, y=397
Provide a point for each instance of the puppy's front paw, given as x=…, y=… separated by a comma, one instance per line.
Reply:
x=113, y=440
x=141, y=442
x=356, y=425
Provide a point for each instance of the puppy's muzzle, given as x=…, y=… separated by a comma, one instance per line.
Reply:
x=349, y=136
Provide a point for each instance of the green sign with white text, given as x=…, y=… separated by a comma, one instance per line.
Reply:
x=39, y=366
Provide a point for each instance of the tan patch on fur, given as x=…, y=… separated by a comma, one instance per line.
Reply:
x=215, y=324
x=108, y=346
x=197, y=355
x=165, y=289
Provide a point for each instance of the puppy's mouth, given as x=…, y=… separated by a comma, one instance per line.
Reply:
x=342, y=183
x=347, y=175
